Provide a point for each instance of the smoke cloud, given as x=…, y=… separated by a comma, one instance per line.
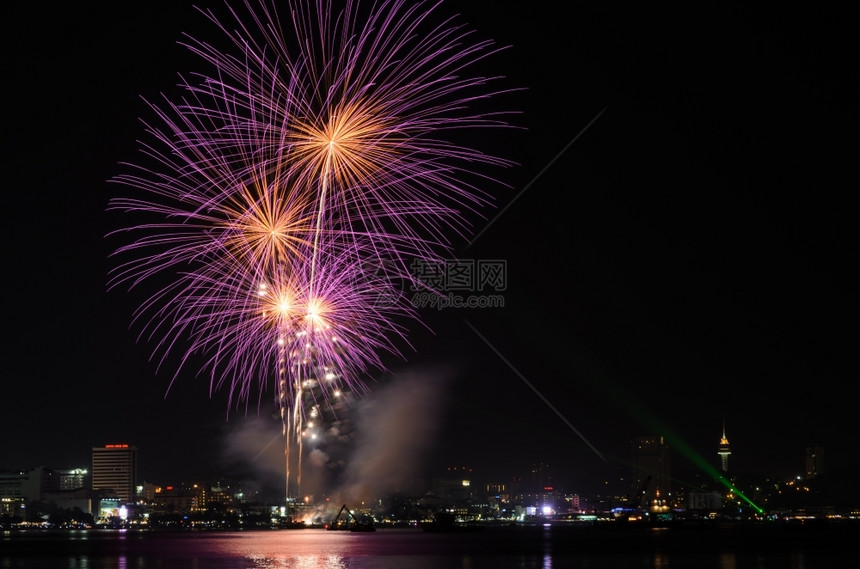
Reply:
x=397, y=430
x=374, y=446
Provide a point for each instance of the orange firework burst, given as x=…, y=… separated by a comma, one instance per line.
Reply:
x=311, y=153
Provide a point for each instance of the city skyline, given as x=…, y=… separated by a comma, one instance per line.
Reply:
x=648, y=470
x=677, y=244
x=112, y=489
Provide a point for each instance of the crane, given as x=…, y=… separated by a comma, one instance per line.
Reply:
x=349, y=522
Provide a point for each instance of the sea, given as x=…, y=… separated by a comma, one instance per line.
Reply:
x=551, y=547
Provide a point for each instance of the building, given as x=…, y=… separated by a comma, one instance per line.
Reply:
x=17, y=487
x=178, y=499
x=455, y=485
x=64, y=488
x=541, y=476
x=704, y=503
x=114, y=469
x=72, y=479
x=814, y=461
x=64, y=480
x=652, y=472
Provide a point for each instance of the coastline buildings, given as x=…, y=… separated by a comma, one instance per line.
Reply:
x=65, y=488
x=111, y=494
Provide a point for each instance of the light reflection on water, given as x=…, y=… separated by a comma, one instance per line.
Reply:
x=385, y=549
x=299, y=561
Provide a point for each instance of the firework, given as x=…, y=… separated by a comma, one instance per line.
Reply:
x=285, y=193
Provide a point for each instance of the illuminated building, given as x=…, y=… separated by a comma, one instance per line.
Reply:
x=17, y=487
x=63, y=488
x=814, y=460
x=723, y=450
x=115, y=469
x=71, y=479
x=456, y=486
x=176, y=499
x=541, y=477
x=652, y=471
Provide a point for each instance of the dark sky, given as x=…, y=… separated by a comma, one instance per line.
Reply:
x=687, y=259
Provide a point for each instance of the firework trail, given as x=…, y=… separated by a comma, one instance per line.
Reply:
x=285, y=193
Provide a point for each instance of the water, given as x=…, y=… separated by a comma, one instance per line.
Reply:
x=539, y=548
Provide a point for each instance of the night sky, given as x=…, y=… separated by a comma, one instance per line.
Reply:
x=679, y=237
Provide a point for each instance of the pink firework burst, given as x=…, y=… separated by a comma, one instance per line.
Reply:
x=316, y=146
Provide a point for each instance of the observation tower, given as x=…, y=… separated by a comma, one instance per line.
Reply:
x=723, y=450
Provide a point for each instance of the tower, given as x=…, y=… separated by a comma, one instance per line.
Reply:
x=115, y=468
x=723, y=450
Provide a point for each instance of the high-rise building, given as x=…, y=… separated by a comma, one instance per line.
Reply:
x=115, y=469
x=652, y=474
x=723, y=450
x=814, y=461
x=541, y=477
